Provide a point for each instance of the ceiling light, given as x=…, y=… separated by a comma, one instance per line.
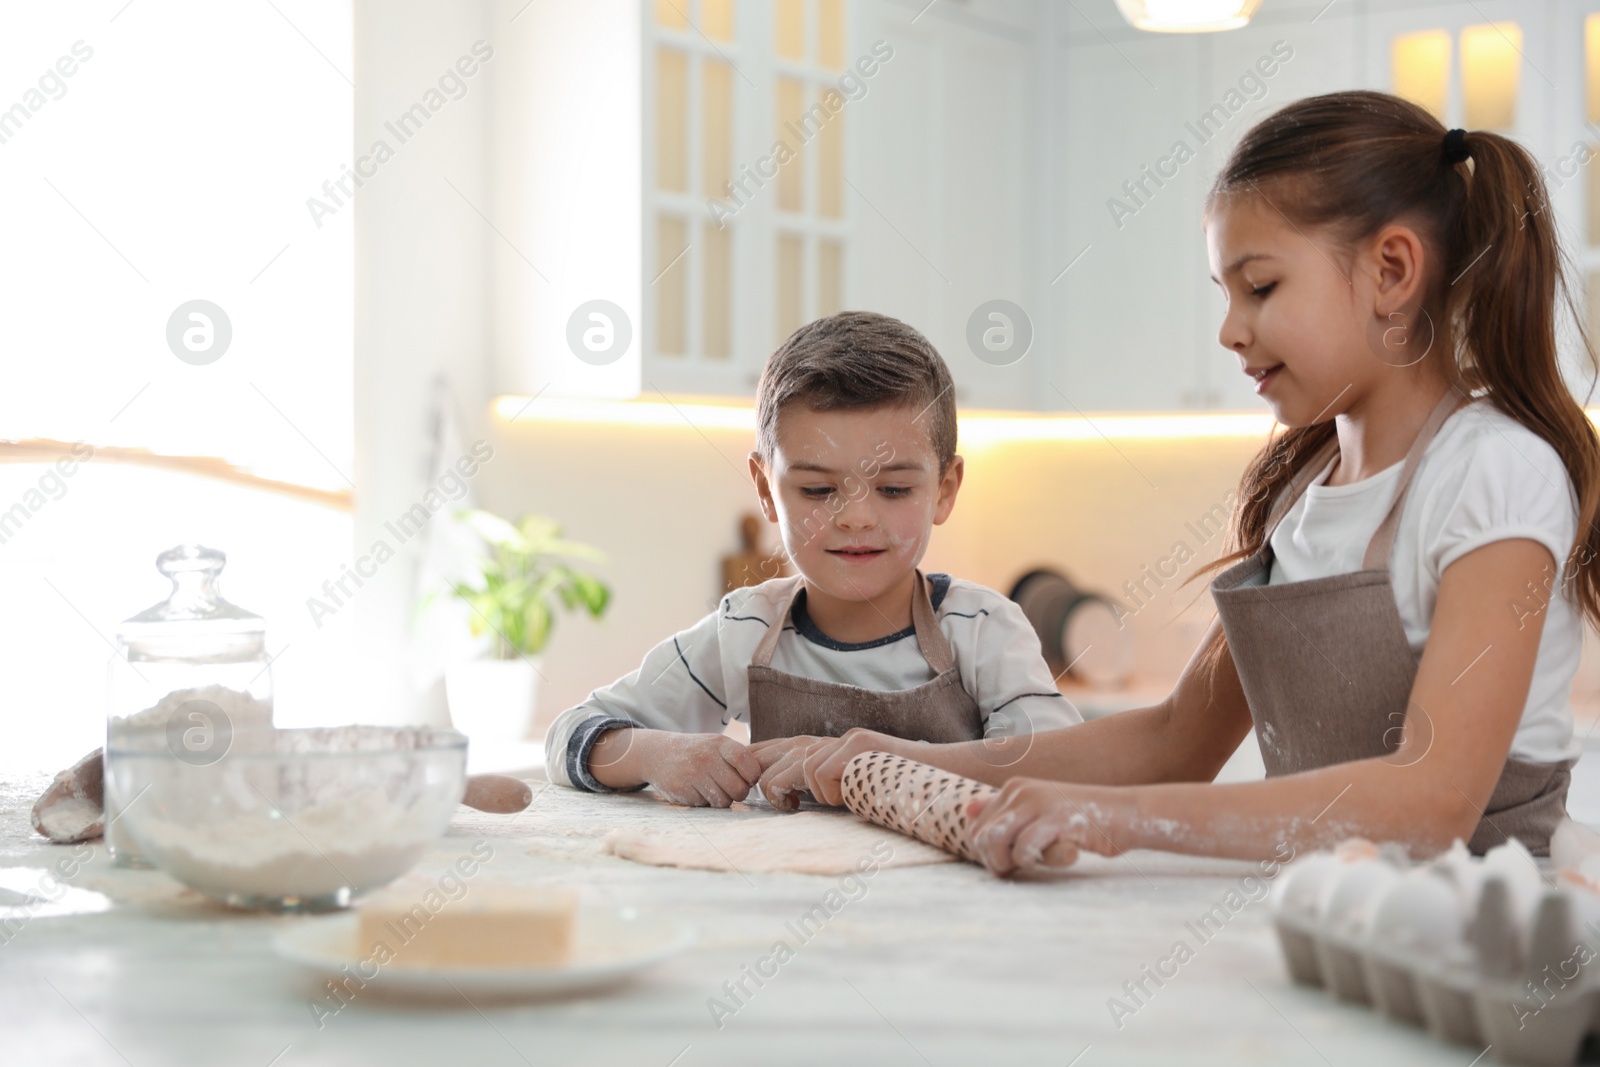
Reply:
x=1187, y=16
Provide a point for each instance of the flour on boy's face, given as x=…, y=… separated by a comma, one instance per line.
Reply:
x=856, y=493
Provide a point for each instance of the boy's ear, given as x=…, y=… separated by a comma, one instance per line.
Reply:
x=758, y=475
x=949, y=486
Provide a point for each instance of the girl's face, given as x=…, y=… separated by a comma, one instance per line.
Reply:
x=856, y=494
x=1300, y=317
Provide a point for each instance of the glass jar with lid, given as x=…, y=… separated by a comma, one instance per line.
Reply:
x=190, y=674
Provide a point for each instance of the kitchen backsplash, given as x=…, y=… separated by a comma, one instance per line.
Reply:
x=1132, y=518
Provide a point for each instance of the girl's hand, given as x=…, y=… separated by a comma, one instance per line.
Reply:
x=695, y=769
x=1034, y=824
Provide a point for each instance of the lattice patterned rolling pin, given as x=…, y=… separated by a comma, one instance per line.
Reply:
x=923, y=802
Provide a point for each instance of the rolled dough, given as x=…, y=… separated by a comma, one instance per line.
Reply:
x=807, y=842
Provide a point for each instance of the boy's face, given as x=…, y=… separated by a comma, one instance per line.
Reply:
x=855, y=494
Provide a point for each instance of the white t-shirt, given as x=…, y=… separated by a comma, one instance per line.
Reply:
x=696, y=682
x=1484, y=478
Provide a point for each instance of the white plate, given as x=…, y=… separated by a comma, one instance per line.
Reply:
x=609, y=944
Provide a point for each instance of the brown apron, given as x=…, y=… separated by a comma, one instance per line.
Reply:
x=1327, y=670
x=787, y=705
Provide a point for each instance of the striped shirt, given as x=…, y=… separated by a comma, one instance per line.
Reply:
x=696, y=682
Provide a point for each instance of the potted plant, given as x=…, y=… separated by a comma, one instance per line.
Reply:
x=528, y=576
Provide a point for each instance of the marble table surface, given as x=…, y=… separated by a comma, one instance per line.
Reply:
x=931, y=965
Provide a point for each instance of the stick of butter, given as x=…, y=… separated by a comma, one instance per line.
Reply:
x=491, y=926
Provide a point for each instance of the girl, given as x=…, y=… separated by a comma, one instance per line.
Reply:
x=1412, y=559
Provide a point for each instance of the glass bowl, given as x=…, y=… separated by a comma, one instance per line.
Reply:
x=289, y=820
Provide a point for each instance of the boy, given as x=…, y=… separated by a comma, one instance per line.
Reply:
x=856, y=462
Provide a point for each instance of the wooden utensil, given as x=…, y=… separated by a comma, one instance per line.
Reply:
x=924, y=802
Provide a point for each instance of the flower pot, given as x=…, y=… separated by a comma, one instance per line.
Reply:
x=492, y=699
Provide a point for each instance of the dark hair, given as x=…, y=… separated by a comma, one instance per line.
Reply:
x=858, y=359
x=1354, y=162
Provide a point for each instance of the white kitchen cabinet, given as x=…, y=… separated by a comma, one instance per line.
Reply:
x=1148, y=121
x=1022, y=150
x=944, y=185
x=930, y=217
x=1550, y=105
x=1519, y=97
x=1323, y=56
x=1457, y=20
x=1551, y=114
x=1123, y=315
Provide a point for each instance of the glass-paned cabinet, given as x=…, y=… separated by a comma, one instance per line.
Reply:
x=746, y=171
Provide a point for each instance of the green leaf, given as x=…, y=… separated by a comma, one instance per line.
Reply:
x=529, y=575
x=538, y=620
x=592, y=592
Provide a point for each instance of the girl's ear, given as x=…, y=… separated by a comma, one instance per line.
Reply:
x=758, y=475
x=949, y=486
x=1398, y=260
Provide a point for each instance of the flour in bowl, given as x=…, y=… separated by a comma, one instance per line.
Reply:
x=360, y=840
x=307, y=814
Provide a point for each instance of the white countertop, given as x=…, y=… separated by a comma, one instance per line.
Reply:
x=933, y=965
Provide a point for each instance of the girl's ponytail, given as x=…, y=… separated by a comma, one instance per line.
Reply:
x=1507, y=280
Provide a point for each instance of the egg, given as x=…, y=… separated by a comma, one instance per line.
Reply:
x=1513, y=862
x=1464, y=871
x=1421, y=910
x=1347, y=900
x=1299, y=887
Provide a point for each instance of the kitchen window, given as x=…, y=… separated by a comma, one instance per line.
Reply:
x=178, y=334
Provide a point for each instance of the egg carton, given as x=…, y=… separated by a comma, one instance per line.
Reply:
x=1491, y=957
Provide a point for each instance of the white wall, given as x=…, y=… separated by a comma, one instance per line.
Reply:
x=663, y=502
x=566, y=149
x=422, y=303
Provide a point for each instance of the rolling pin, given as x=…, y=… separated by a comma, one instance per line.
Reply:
x=924, y=802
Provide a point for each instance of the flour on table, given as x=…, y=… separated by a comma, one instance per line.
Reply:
x=806, y=842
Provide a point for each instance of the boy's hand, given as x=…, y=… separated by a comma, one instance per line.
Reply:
x=696, y=769
x=818, y=765
x=783, y=779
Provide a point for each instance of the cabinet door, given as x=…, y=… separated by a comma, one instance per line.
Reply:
x=943, y=194
x=1124, y=195
x=1257, y=70
x=1517, y=69
x=1486, y=44
x=895, y=185
x=984, y=166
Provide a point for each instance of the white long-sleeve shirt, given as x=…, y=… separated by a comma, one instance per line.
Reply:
x=695, y=681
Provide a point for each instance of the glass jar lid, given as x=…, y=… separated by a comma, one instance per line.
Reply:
x=194, y=622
